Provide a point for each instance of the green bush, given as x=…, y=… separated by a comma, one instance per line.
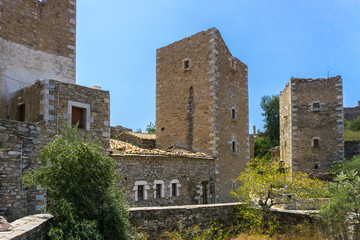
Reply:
x=81, y=190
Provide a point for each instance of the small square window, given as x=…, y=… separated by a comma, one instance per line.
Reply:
x=316, y=106
x=140, y=192
x=316, y=166
x=316, y=142
x=186, y=64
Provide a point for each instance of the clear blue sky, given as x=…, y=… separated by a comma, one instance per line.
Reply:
x=117, y=42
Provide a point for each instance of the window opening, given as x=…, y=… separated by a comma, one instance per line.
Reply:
x=140, y=192
x=316, y=166
x=186, y=64
x=21, y=112
x=316, y=142
x=233, y=146
x=77, y=115
x=204, y=192
x=233, y=114
x=158, y=190
x=174, y=190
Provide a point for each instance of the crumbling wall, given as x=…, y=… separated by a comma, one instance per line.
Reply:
x=351, y=114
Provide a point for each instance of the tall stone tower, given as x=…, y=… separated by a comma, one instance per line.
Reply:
x=37, y=41
x=202, y=104
x=311, y=124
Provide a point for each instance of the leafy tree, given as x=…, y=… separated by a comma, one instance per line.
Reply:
x=352, y=130
x=262, y=147
x=151, y=128
x=343, y=208
x=81, y=190
x=353, y=125
x=271, y=112
x=138, y=130
x=266, y=184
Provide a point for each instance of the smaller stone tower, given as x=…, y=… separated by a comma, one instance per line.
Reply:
x=202, y=104
x=311, y=124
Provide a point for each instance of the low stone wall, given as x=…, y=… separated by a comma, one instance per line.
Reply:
x=157, y=220
x=351, y=114
x=352, y=148
x=33, y=227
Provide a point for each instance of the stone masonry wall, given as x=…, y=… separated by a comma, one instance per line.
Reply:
x=351, y=114
x=155, y=221
x=190, y=172
x=37, y=41
x=352, y=148
x=286, y=125
x=127, y=135
x=325, y=124
x=20, y=144
x=50, y=101
x=193, y=106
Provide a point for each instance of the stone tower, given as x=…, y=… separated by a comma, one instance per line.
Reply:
x=311, y=124
x=202, y=104
x=37, y=41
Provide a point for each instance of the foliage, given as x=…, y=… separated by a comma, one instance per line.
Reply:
x=262, y=147
x=266, y=184
x=138, y=130
x=151, y=128
x=351, y=135
x=343, y=209
x=81, y=189
x=214, y=232
x=353, y=125
x=271, y=112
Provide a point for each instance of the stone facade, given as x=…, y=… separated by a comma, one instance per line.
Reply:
x=202, y=104
x=352, y=113
x=37, y=41
x=194, y=178
x=311, y=124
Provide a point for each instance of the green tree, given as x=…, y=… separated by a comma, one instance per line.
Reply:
x=266, y=184
x=151, y=128
x=81, y=189
x=271, y=112
x=343, y=208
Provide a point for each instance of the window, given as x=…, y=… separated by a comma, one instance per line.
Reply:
x=233, y=146
x=174, y=188
x=316, y=166
x=233, y=64
x=316, y=142
x=186, y=64
x=21, y=112
x=316, y=106
x=79, y=113
x=140, y=192
x=159, y=189
x=77, y=116
x=233, y=184
x=233, y=114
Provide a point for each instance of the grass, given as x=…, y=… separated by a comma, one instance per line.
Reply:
x=351, y=135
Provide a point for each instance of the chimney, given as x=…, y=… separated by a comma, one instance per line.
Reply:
x=254, y=129
x=358, y=104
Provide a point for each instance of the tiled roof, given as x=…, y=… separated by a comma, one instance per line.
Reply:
x=142, y=135
x=120, y=147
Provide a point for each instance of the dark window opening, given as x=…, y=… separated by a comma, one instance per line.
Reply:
x=186, y=64
x=77, y=117
x=233, y=146
x=174, y=190
x=158, y=190
x=21, y=113
x=204, y=192
x=316, y=166
x=233, y=114
x=316, y=142
x=162, y=129
x=140, y=192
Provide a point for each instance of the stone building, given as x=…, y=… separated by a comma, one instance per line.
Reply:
x=202, y=104
x=311, y=124
x=37, y=41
